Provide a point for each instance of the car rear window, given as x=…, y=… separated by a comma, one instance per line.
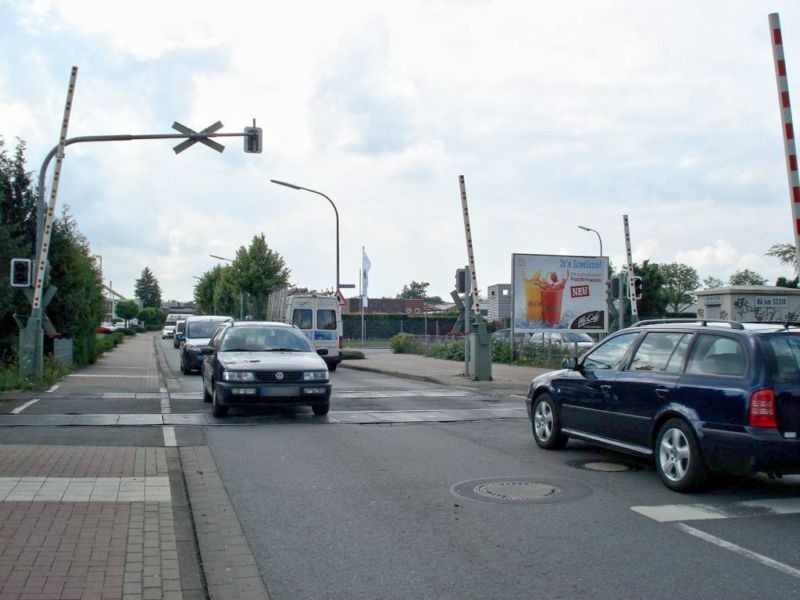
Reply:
x=326, y=319
x=783, y=357
x=717, y=355
x=201, y=329
x=301, y=317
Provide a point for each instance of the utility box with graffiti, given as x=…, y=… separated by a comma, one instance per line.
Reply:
x=750, y=304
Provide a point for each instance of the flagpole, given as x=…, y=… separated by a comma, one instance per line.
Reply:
x=361, y=295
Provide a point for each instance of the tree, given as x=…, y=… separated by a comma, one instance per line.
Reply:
x=787, y=283
x=785, y=253
x=747, y=277
x=680, y=282
x=712, y=282
x=151, y=316
x=127, y=309
x=147, y=291
x=415, y=289
x=204, y=291
x=256, y=270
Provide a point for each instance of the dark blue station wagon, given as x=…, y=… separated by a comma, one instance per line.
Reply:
x=697, y=397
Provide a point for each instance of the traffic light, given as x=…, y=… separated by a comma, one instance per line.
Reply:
x=461, y=281
x=21, y=273
x=614, y=287
x=637, y=287
x=252, y=140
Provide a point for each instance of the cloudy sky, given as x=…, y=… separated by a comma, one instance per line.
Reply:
x=557, y=117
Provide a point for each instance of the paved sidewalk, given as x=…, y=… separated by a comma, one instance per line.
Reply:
x=447, y=372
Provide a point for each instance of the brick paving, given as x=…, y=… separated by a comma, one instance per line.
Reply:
x=87, y=548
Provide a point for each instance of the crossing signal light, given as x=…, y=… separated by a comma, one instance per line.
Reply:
x=614, y=284
x=638, y=288
x=21, y=273
x=461, y=281
x=252, y=140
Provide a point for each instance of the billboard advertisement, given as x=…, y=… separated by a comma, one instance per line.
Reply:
x=567, y=293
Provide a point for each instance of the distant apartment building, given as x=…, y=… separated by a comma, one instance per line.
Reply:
x=498, y=302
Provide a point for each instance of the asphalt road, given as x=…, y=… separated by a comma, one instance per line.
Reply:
x=390, y=510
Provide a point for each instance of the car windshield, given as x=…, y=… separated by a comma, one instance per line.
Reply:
x=202, y=329
x=572, y=336
x=264, y=339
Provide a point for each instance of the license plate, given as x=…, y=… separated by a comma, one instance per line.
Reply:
x=287, y=390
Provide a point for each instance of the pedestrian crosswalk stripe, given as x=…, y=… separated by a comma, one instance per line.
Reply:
x=85, y=489
x=667, y=513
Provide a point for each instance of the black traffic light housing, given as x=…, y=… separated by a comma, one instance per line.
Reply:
x=461, y=281
x=638, y=288
x=252, y=140
x=21, y=273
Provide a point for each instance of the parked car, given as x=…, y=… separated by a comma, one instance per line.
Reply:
x=168, y=332
x=106, y=327
x=197, y=333
x=695, y=397
x=504, y=335
x=180, y=328
x=264, y=363
x=564, y=340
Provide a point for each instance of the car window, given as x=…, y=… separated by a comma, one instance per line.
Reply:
x=301, y=317
x=264, y=339
x=660, y=351
x=326, y=318
x=610, y=353
x=783, y=358
x=201, y=329
x=574, y=336
x=216, y=338
x=717, y=355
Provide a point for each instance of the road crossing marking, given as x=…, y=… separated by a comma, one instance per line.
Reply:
x=53, y=388
x=170, y=440
x=85, y=489
x=668, y=513
x=19, y=409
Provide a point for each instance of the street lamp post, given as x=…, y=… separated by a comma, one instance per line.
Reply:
x=241, y=291
x=598, y=236
x=336, y=212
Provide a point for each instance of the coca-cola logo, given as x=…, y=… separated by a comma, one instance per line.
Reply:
x=589, y=320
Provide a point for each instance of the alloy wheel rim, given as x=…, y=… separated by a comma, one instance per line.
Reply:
x=543, y=421
x=674, y=454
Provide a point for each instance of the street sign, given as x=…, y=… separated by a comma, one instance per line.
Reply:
x=347, y=286
x=340, y=297
x=188, y=143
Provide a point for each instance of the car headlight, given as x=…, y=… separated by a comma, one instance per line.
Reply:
x=189, y=346
x=315, y=376
x=238, y=376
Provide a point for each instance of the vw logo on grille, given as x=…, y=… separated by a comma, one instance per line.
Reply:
x=279, y=375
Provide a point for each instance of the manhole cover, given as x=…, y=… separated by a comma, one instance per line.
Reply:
x=521, y=490
x=606, y=467
x=516, y=491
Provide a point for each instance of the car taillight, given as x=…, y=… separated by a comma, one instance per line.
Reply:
x=762, y=409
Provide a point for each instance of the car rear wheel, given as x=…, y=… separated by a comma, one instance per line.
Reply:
x=678, y=459
x=321, y=409
x=216, y=409
x=545, y=424
x=206, y=395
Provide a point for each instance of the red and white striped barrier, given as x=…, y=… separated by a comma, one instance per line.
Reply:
x=788, y=129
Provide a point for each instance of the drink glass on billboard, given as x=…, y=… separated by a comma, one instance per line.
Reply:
x=533, y=298
x=551, y=304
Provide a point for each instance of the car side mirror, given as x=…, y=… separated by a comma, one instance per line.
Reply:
x=571, y=363
x=207, y=350
x=322, y=351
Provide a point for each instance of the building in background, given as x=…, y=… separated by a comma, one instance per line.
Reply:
x=498, y=303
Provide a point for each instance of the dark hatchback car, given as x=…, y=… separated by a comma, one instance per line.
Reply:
x=697, y=397
x=251, y=363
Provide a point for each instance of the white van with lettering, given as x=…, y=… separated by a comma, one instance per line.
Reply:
x=320, y=319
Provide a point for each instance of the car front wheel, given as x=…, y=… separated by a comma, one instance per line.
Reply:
x=217, y=410
x=321, y=409
x=678, y=459
x=545, y=424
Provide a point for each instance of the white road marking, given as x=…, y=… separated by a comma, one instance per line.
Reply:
x=169, y=436
x=53, y=389
x=760, y=558
x=19, y=409
x=668, y=513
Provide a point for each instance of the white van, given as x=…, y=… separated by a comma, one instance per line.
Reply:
x=320, y=319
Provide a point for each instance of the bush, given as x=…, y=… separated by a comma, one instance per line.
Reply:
x=450, y=350
x=351, y=354
x=127, y=331
x=403, y=343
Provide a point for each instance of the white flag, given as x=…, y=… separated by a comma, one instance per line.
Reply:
x=365, y=267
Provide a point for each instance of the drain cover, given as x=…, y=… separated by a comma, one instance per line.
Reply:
x=606, y=467
x=521, y=490
x=516, y=491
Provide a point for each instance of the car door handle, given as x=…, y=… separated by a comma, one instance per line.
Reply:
x=662, y=392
